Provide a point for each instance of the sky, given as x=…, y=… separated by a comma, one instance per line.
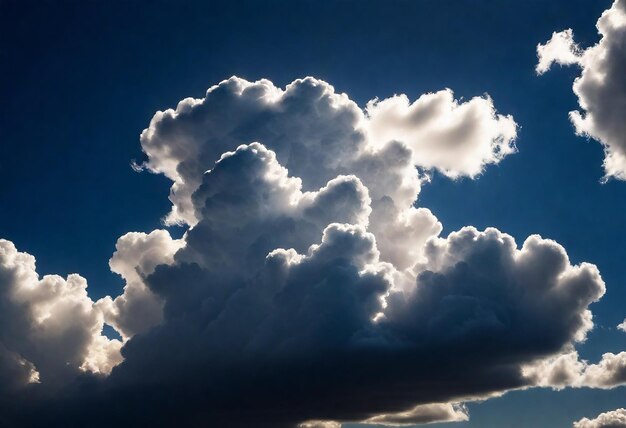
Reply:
x=472, y=324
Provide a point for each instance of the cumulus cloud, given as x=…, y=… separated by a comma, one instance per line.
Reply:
x=560, y=49
x=608, y=373
x=50, y=330
x=308, y=288
x=558, y=372
x=458, y=139
x=622, y=326
x=612, y=419
x=601, y=87
x=568, y=370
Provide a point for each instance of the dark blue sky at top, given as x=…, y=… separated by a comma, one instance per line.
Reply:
x=81, y=80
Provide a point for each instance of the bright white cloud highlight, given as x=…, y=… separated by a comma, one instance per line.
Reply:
x=560, y=49
x=567, y=370
x=612, y=419
x=601, y=87
x=49, y=327
x=456, y=138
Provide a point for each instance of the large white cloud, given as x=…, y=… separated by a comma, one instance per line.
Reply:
x=612, y=419
x=601, y=87
x=307, y=286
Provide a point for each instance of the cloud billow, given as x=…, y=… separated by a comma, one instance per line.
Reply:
x=601, y=87
x=308, y=289
x=612, y=419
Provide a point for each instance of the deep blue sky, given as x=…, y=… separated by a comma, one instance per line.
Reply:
x=80, y=80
